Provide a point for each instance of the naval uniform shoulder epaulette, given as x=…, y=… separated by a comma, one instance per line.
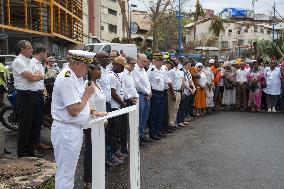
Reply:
x=67, y=74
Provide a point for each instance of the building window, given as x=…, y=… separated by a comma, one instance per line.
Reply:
x=268, y=31
x=102, y=28
x=113, y=12
x=230, y=32
x=241, y=42
x=224, y=44
x=113, y=0
x=261, y=30
x=112, y=28
x=246, y=30
x=255, y=29
x=239, y=31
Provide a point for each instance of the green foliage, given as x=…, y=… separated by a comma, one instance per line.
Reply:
x=115, y=40
x=50, y=184
x=217, y=26
x=267, y=49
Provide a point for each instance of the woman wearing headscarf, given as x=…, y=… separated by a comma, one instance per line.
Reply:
x=229, y=78
x=255, y=79
x=200, y=96
x=209, y=89
x=272, y=76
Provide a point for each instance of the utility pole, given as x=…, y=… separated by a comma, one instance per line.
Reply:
x=273, y=22
x=179, y=28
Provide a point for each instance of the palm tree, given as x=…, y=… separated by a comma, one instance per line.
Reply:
x=217, y=25
x=198, y=12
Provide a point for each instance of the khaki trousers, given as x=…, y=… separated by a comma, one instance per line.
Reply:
x=173, y=106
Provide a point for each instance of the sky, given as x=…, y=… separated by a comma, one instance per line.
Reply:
x=261, y=6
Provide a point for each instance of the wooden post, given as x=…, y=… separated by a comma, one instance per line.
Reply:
x=26, y=13
x=8, y=12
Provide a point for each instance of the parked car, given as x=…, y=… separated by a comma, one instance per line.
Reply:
x=128, y=49
x=7, y=60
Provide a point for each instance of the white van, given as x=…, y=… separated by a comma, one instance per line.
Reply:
x=128, y=49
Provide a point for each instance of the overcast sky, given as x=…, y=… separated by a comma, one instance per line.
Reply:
x=261, y=6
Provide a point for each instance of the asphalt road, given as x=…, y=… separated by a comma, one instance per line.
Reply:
x=227, y=150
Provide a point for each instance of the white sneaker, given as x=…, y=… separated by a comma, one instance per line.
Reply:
x=269, y=109
x=273, y=109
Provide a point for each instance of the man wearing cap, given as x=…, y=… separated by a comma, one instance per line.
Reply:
x=156, y=78
x=143, y=88
x=71, y=111
x=25, y=81
x=118, y=125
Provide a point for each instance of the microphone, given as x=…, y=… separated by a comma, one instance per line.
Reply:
x=89, y=78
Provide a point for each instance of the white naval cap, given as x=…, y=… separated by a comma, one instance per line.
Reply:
x=83, y=56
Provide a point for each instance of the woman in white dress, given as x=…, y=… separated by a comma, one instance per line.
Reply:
x=98, y=103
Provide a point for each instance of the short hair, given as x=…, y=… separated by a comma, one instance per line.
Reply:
x=39, y=49
x=117, y=53
x=129, y=59
x=21, y=45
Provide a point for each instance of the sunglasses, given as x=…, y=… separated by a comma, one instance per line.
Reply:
x=199, y=66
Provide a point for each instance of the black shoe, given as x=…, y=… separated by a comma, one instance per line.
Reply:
x=161, y=135
x=169, y=131
x=164, y=132
x=36, y=155
x=6, y=151
x=155, y=137
x=145, y=139
x=141, y=144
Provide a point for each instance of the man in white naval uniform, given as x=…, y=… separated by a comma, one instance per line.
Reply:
x=70, y=111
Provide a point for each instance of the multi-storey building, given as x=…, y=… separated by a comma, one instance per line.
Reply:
x=58, y=24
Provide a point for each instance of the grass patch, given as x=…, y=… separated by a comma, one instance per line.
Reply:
x=50, y=184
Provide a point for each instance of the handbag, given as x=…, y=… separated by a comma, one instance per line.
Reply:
x=263, y=84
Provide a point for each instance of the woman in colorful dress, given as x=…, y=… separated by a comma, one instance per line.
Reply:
x=209, y=89
x=229, y=78
x=200, y=96
x=255, y=79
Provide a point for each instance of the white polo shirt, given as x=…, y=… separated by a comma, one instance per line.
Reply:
x=104, y=82
x=68, y=89
x=117, y=84
x=20, y=65
x=176, y=76
x=37, y=66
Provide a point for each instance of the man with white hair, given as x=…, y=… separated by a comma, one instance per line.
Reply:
x=71, y=111
x=143, y=88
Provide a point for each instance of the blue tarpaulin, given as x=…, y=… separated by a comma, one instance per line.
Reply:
x=236, y=12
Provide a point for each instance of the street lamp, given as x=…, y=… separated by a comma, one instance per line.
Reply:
x=129, y=16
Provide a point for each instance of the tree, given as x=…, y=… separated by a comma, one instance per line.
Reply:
x=217, y=26
x=155, y=15
x=198, y=12
x=125, y=26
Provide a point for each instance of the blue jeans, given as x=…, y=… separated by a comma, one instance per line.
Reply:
x=157, y=114
x=144, y=107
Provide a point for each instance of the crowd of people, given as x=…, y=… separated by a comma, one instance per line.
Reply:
x=169, y=91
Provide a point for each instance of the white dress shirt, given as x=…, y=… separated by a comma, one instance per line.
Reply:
x=37, y=66
x=242, y=75
x=156, y=78
x=68, y=90
x=166, y=77
x=129, y=89
x=104, y=83
x=176, y=76
x=141, y=80
x=273, y=81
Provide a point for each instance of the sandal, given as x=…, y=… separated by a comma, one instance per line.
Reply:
x=88, y=186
